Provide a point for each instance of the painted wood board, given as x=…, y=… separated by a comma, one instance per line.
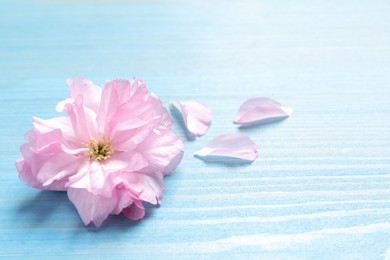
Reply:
x=321, y=185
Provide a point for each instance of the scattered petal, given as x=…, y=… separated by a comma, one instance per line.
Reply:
x=196, y=117
x=261, y=110
x=232, y=148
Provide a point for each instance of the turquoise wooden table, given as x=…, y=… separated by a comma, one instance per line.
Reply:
x=321, y=185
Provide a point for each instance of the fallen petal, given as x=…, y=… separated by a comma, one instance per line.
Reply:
x=196, y=116
x=229, y=148
x=261, y=110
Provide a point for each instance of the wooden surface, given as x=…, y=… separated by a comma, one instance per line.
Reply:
x=321, y=185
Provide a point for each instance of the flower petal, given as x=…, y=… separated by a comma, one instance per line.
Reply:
x=127, y=115
x=92, y=177
x=55, y=172
x=28, y=167
x=52, y=154
x=175, y=161
x=163, y=151
x=124, y=200
x=145, y=187
x=116, y=94
x=260, y=110
x=54, y=130
x=47, y=168
x=128, y=139
x=229, y=148
x=196, y=117
x=91, y=208
x=130, y=161
x=135, y=211
x=83, y=120
x=84, y=88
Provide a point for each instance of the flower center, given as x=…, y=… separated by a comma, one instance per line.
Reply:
x=100, y=149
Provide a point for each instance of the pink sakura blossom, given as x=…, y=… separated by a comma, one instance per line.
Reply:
x=110, y=151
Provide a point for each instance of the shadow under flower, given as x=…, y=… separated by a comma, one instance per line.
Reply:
x=45, y=203
x=119, y=223
x=42, y=208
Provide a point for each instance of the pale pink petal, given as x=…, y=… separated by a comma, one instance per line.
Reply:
x=130, y=161
x=85, y=88
x=135, y=211
x=229, y=148
x=127, y=115
x=97, y=179
x=175, y=161
x=115, y=95
x=28, y=167
x=128, y=139
x=55, y=172
x=54, y=130
x=153, y=188
x=81, y=179
x=83, y=120
x=261, y=110
x=145, y=187
x=92, y=177
x=92, y=208
x=101, y=177
x=162, y=149
x=47, y=168
x=196, y=116
x=124, y=200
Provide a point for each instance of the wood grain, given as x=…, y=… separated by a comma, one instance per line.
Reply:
x=321, y=185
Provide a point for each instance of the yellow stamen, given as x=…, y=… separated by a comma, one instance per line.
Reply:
x=100, y=149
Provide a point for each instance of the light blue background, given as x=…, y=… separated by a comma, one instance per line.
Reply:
x=321, y=185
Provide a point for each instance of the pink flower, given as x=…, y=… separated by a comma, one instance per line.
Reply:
x=110, y=151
